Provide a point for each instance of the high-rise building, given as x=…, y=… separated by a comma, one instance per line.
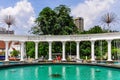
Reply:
x=79, y=22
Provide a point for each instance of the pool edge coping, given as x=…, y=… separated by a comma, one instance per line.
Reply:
x=60, y=63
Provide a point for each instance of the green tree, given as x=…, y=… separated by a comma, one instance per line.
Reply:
x=93, y=30
x=43, y=49
x=15, y=53
x=55, y=22
x=85, y=49
x=65, y=24
x=30, y=49
x=96, y=29
x=45, y=22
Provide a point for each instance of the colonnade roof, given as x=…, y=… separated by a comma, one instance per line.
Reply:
x=42, y=38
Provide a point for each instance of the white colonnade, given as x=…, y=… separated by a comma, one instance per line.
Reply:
x=77, y=50
x=60, y=38
x=63, y=50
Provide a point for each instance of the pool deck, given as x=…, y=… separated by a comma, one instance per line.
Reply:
x=59, y=63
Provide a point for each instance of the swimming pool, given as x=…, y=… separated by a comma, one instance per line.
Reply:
x=59, y=72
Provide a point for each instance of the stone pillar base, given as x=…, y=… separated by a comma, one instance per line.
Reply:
x=63, y=60
x=93, y=61
x=110, y=62
x=50, y=60
x=79, y=60
x=6, y=62
x=22, y=62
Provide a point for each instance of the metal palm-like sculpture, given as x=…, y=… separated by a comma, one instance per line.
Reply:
x=109, y=19
x=9, y=20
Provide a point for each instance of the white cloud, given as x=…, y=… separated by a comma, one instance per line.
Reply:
x=24, y=16
x=90, y=10
x=116, y=9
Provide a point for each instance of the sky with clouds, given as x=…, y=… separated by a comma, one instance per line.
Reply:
x=25, y=11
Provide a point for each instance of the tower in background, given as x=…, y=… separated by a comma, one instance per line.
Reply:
x=79, y=22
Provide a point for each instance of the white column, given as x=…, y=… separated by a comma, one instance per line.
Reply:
x=77, y=50
x=50, y=51
x=22, y=51
x=36, y=50
x=109, y=50
x=92, y=51
x=63, y=51
x=6, y=50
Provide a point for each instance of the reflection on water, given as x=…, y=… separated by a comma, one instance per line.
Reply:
x=21, y=73
x=36, y=72
x=77, y=73
x=63, y=72
x=60, y=72
x=6, y=74
x=50, y=71
x=109, y=74
x=92, y=73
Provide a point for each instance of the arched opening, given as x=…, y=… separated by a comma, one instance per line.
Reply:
x=56, y=49
x=43, y=50
x=14, y=50
x=71, y=51
x=85, y=50
x=30, y=49
x=101, y=50
x=2, y=50
x=116, y=49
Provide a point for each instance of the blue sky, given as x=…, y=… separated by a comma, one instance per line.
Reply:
x=38, y=5
x=25, y=11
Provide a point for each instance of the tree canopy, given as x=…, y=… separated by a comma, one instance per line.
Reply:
x=55, y=22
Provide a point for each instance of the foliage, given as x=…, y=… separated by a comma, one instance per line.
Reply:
x=30, y=49
x=70, y=48
x=93, y=30
x=96, y=29
x=57, y=49
x=55, y=22
x=85, y=48
x=43, y=49
x=15, y=53
x=46, y=20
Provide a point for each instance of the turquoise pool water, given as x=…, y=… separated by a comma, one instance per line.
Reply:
x=59, y=72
